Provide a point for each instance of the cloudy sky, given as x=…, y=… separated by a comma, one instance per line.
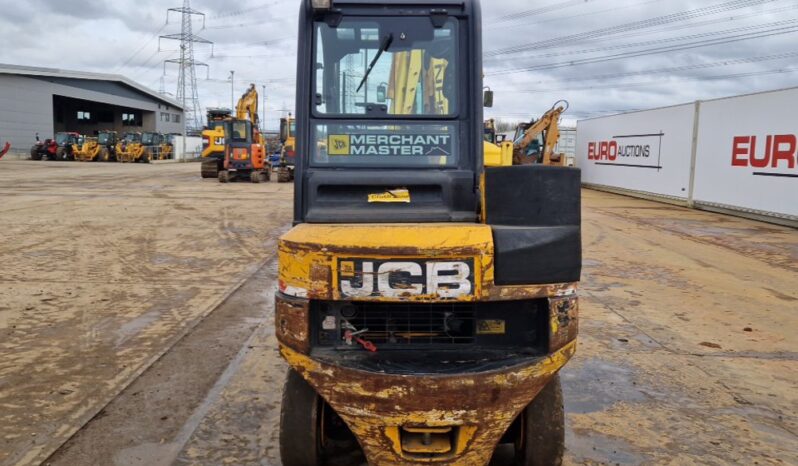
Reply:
x=603, y=56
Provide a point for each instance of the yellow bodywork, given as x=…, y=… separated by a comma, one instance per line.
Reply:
x=472, y=409
x=498, y=156
x=134, y=153
x=548, y=124
x=216, y=140
x=88, y=152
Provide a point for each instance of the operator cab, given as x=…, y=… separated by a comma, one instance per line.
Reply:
x=392, y=105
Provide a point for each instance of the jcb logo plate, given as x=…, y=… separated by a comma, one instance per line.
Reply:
x=445, y=279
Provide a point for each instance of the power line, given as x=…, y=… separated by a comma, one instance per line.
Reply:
x=623, y=86
x=538, y=11
x=187, y=93
x=126, y=62
x=651, y=51
x=578, y=15
x=677, y=69
x=636, y=25
x=664, y=40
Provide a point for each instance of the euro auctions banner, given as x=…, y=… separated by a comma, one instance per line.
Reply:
x=646, y=151
x=747, y=155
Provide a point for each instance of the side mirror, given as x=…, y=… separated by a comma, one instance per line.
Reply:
x=488, y=99
x=382, y=92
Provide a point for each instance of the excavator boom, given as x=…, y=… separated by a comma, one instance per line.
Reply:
x=247, y=108
x=548, y=125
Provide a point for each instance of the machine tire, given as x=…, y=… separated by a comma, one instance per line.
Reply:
x=300, y=423
x=35, y=154
x=541, y=439
x=60, y=153
x=283, y=176
x=146, y=157
x=224, y=176
x=266, y=174
x=255, y=177
x=105, y=156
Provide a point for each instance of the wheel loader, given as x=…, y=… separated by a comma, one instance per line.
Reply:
x=427, y=295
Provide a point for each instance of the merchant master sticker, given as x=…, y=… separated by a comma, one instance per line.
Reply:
x=430, y=145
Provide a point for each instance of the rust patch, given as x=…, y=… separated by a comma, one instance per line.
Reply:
x=488, y=402
x=564, y=321
x=292, y=322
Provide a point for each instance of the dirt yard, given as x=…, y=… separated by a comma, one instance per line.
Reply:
x=136, y=307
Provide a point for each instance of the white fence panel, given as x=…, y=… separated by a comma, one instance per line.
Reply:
x=648, y=151
x=747, y=149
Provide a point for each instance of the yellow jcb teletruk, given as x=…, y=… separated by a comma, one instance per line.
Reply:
x=427, y=299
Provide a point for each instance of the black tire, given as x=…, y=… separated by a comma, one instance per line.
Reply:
x=60, y=153
x=105, y=156
x=300, y=423
x=283, y=175
x=266, y=175
x=541, y=439
x=255, y=177
x=35, y=154
x=224, y=176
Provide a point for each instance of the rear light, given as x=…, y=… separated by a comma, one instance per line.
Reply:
x=321, y=4
x=205, y=142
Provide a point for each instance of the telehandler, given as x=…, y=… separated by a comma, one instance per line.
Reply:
x=426, y=298
x=89, y=151
x=125, y=145
x=107, y=141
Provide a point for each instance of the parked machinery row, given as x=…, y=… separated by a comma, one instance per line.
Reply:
x=107, y=146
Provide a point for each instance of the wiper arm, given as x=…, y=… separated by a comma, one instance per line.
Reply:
x=383, y=48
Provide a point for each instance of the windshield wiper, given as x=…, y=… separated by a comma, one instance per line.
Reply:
x=383, y=48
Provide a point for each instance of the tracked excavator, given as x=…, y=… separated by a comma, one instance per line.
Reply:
x=285, y=167
x=245, y=146
x=423, y=307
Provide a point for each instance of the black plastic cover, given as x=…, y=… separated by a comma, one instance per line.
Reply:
x=535, y=213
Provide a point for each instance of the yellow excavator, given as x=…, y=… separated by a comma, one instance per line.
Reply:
x=245, y=147
x=233, y=146
x=213, y=142
x=285, y=169
x=423, y=307
x=534, y=142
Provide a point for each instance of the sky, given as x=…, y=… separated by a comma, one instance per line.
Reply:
x=602, y=56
